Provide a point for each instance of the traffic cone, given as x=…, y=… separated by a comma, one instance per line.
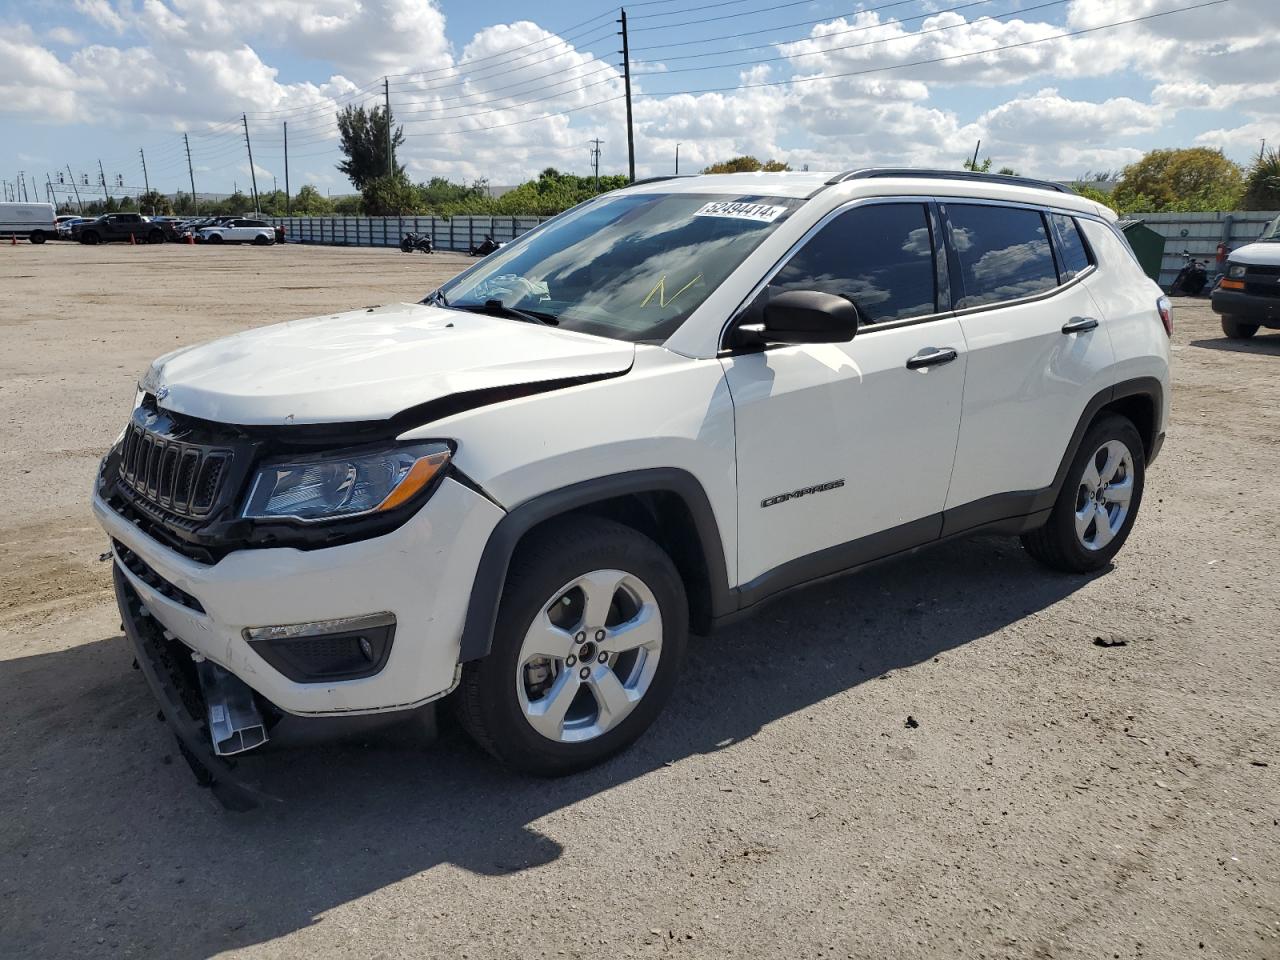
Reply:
x=191, y=239
x=132, y=242
x=13, y=239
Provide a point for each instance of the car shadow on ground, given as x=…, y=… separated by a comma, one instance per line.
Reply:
x=1260, y=343
x=100, y=804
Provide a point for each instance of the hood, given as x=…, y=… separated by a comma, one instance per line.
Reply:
x=370, y=364
x=1266, y=253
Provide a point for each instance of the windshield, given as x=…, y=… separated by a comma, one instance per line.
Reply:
x=631, y=267
x=1272, y=232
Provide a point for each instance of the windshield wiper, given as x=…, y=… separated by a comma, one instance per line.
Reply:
x=496, y=308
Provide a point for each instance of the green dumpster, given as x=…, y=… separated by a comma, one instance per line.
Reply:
x=1147, y=245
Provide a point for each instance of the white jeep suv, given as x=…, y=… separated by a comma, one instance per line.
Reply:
x=643, y=418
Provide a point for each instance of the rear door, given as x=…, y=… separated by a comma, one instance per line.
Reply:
x=844, y=450
x=1038, y=352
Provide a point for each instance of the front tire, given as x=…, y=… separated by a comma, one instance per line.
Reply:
x=590, y=637
x=1098, y=503
x=37, y=236
x=214, y=238
x=1237, y=330
x=89, y=238
x=155, y=236
x=260, y=241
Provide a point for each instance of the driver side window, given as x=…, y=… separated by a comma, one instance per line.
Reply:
x=879, y=257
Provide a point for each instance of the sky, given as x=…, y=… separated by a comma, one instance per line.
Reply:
x=500, y=90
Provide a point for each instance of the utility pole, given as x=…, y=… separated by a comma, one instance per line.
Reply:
x=195, y=204
x=1262, y=150
x=48, y=182
x=252, y=172
x=595, y=159
x=626, y=79
x=102, y=178
x=974, y=164
x=391, y=159
x=677, y=159
x=22, y=187
x=76, y=187
x=288, y=198
x=146, y=182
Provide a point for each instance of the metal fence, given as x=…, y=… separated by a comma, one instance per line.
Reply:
x=1200, y=233
x=447, y=233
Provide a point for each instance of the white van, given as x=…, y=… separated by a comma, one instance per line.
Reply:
x=35, y=221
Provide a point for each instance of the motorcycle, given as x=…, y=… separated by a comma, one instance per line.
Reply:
x=1191, y=279
x=484, y=247
x=420, y=242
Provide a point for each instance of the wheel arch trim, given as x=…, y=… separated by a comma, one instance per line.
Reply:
x=1148, y=387
x=491, y=574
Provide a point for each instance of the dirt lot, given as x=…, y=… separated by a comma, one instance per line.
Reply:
x=1058, y=798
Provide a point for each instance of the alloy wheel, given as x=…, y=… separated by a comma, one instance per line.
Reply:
x=1104, y=494
x=589, y=656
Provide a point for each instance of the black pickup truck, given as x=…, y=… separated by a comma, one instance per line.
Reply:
x=120, y=227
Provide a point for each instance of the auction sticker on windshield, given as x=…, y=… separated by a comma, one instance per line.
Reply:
x=737, y=210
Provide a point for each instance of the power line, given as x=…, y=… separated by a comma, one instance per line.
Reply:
x=946, y=59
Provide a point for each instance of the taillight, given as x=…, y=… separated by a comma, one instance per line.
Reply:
x=1166, y=314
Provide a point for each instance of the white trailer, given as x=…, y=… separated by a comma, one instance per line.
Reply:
x=32, y=221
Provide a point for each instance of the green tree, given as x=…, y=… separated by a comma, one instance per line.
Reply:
x=349, y=206
x=391, y=196
x=310, y=202
x=983, y=167
x=747, y=164
x=1190, y=179
x=363, y=136
x=155, y=204
x=1262, y=186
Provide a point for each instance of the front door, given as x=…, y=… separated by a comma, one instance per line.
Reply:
x=844, y=451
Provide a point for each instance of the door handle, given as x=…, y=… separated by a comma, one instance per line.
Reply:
x=931, y=357
x=1079, y=325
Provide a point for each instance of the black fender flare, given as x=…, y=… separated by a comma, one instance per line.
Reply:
x=1148, y=387
x=491, y=574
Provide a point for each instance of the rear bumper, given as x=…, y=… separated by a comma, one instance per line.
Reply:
x=1264, y=311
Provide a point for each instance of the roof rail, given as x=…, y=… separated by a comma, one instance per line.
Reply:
x=872, y=173
x=677, y=176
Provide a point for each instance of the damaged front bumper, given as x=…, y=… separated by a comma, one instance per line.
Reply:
x=181, y=700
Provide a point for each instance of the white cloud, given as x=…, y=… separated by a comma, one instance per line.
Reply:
x=477, y=110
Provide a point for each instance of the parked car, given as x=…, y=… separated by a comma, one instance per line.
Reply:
x=241, y=230
x=118, y=228
x=64, y=224
x=30, y=221
x=1247, y=295
x=646, y=416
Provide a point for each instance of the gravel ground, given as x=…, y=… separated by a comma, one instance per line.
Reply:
x=1056, y=799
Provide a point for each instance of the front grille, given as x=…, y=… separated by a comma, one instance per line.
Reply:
x=180, y=477
x=1271, y=289
x=1263, y=270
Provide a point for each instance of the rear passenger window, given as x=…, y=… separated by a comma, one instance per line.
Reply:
x=1004, y=253
x=879, y=257
x=1073, y=255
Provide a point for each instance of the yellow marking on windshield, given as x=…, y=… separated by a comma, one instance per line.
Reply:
x=660, y=288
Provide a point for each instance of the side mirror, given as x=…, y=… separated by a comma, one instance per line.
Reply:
x=803, y=316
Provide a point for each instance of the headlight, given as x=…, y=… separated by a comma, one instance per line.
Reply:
x=339, y=485
x=1235, y=270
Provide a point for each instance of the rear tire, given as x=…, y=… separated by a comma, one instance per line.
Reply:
x=260, y=241
x=1237, y=330
x=214, y=238
x=37, y=236
x=155, y=236
x=89, y=238
x=562, y=580
x=1098, y=503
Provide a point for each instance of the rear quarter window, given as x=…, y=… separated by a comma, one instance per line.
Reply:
x=1073, y=254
